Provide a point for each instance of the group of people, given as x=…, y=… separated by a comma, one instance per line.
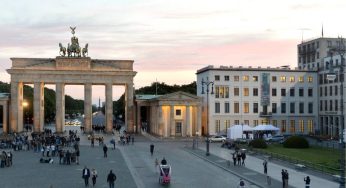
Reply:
x=239, y=158
x=6, y=159
x=284, y=176
x=86, y=174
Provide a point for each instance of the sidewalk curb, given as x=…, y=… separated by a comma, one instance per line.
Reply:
x=226, y=169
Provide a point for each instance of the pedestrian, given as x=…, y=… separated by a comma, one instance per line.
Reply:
x=133, y=139
x=86, y=175
x=283, y=178
x=156, y=164
x=286, y=179
x=265, y=165
x=239, y=158
x=243, y=157
x=77, y=156
x=307, y=182
x=92, y=141
x=152, y=149
x=269, y=181
x=93, y=176
x=111, y=179
x=234, y=158
x=105, y=149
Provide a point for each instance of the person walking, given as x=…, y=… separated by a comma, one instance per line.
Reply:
x=307, y=182
x=86, y=175
x=234, y=157
x=265, y=165
x=93, y=176
x=111, y=179
x=151, y=149
x=77, y=156
x=105, y=149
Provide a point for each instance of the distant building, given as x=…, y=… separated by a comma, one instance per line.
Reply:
x=286, y=98
x=173, y=115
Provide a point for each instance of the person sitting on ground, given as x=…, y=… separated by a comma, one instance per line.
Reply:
x=163, y=161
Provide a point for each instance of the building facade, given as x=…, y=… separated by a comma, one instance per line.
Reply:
x=251, y=96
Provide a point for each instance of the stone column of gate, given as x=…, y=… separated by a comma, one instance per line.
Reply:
x=4, y=119
x=187, y=119
x=38, y=106
x=60, y=107
x=199, y=118
x=138, y=118
x=129, y=107
x=171, y=121
x=87, y=107
x=109, y=107
x=16, y=121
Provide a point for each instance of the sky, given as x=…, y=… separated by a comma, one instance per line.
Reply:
x=169, y=40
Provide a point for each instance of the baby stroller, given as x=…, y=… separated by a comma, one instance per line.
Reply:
x=165, y=174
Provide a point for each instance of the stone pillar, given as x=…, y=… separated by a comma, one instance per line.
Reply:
x=160, y=122
x=138, y=119
x=60, y=107
x=171, y=120
x=16, y=121
x=38, y=106
x=129, y=107
x=199, y=122
x=87, y=107
x=4, y=119
x=188, y=122
x=109, y=107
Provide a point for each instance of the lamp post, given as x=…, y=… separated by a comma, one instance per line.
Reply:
x=242, y=130
x=207, y=84
x=340, y=50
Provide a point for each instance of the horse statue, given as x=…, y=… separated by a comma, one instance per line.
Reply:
x=85, y=50
x=62, y=50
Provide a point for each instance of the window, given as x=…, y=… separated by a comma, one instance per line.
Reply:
x=217, y=92
x=283, y=78
x=310, y=92
x=226, y=107
x=275, y=123
x=325, y=105
x=227, y=123
x=236, y=78
x=321, y=91
x=255, y=78
x=226, y=92
x=226, y=78
x=217, y=126
x=178, y=128
x=330, y=105
x=325, y=91
x=246, y=91
x=246, y=78
x=301, y=108
x=274, y=108
x=236, y=107
x=264, y=121
x=283, y=126
x=336, y=90
x=236, y=122
x=246, y=122
x=310, y=79
x=291, y=78
x=217, y=77
x=321, y=105
x=292, y=126
x=311, y=108
x=274, y=79
x=310, y=126
x=178, y=112
x=236, y=91
x=255, y=122
x=330, y=90
x=336, y=105
x=301, y=126
x=329, y=43
x=274, y=92
x=283, y=108
x=301, y=92
x=283, y=92
x=246, y=107
x=292, y=92
x=255, y=107
x=217, y=107
x=255, y=91
x=292, y=108
x=301, y=79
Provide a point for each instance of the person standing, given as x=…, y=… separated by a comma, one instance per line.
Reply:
x=265, y=165
x=286, y=179
x=86, y=175
x=93, y=176
x=234, y=157
x=151, y=149
x=77, y=156
x=105, y=149
x=111, y=179
x=133, y=139
x=283, y=178
x=307, y=182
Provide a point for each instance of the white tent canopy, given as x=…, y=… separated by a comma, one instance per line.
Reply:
x=237, y=131
x=265, y=128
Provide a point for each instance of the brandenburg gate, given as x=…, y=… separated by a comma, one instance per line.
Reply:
x=73, y=67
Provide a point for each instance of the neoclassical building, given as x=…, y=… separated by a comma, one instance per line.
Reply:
x=173, y=115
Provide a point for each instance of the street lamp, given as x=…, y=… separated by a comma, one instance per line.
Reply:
x=340, y=50
x=207, y=83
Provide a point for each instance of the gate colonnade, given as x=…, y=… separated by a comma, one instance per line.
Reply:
x=63, y=71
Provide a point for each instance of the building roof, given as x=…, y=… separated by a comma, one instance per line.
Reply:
x=250, y=68
x=147, y=97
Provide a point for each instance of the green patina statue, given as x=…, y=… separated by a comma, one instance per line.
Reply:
x=73, y=49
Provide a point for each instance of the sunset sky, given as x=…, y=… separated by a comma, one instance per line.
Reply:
x=168, y=39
